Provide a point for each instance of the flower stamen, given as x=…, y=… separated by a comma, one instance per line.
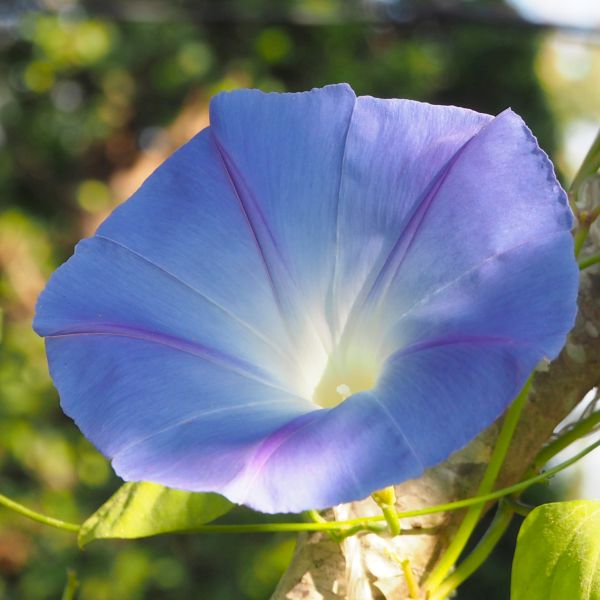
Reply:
x=345, y=374
x=343, y=390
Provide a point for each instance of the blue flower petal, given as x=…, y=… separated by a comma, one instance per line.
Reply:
x=511, y=296
x=485, y=194
x=498, y=193
x=473, y=344
x=287, y=170
x=172, y=260
x=106, y=289
x=165, y=413
x=477, y=341
x=327, y=457
x=442, y=396
x=187, y=220
x=395, y=152
x=301, y=235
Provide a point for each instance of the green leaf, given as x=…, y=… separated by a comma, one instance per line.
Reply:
x=558, y=553
x=145, y=509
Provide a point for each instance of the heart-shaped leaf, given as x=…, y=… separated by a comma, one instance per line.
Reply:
x=558, y=553
x=146, y=509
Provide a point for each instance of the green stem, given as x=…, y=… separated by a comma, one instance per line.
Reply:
x=518, y=507
x=391, y=517
x=365, y=522
x=469, y=523
x=579, y=430
x=580, y=237
x=36, y=516
x=589, y=166
x=368, y=527
x=479, y=555
x=419, y=512
x=586, y=219
x=316, y=517
x=71, y=587
x=386, y=500
x=589, y=261
x=414, y=592
x=509, y=506
x=356, y=525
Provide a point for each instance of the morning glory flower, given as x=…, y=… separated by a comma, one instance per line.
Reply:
x=316, y=297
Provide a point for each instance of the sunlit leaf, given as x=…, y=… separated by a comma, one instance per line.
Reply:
x=558, y=553
x=146, y=509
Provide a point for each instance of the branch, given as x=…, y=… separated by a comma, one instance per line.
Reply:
x=373, y=566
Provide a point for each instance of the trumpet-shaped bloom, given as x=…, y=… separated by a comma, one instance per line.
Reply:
x=318, y=296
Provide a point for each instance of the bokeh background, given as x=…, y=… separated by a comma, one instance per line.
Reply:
x=94, y=95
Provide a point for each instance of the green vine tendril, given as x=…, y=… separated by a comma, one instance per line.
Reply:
x=361, y=524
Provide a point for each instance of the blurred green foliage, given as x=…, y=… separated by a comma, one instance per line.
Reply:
x=82, y=97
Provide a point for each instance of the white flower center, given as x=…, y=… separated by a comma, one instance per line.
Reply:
x=345, y=374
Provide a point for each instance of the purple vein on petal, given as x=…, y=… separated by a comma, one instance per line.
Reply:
x=256, y=221
x=392, y=263
x=333, y=293
x=211, y=301
x=400, y=249
x=267, y=447
x=251, y=225
x=193, y=418
x=474, y=269
x=454, y=340
x=394, y=421
x=211, y=355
